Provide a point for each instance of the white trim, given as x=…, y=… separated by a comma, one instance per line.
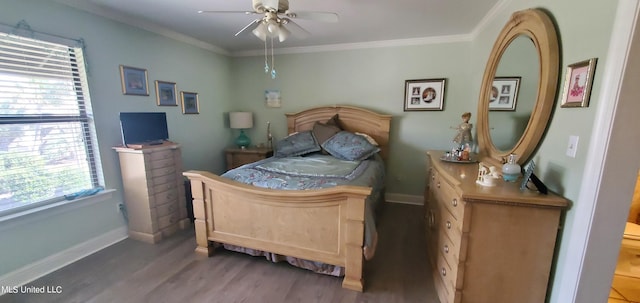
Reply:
x=45, y=211
x=621, y=36
x=138, y=23
x=403, y=199
x=362, y=45
x=56, y=261
x=489, y=17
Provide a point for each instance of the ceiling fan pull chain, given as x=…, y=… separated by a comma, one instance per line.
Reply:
x=266, y=63
x=273, y=63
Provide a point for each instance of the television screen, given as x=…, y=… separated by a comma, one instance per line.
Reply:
x=144, y=128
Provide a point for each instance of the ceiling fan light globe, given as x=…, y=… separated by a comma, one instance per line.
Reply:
x=273, y=28
x=261, y=32
x=283, y=34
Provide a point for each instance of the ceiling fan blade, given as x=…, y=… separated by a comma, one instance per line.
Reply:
x=295, y=29
x=253, y=23
x=314, y=16
x=227, y=12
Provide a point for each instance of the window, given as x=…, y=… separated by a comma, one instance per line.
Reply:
x=47, y=138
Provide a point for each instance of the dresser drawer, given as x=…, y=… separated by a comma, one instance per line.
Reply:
x=163, y=179
x=441, y=290
x=163, y=171
x=447, y=278
x=449, y=224
x=156, y=164
x=165, y=197
x=160, y=188
x=167, y=220
x=166, y=209
x=160, y=155
x=450, y=198
x=449, y=249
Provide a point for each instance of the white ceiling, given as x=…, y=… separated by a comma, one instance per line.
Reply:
x=360, y=21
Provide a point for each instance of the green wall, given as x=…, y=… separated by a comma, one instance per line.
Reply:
x=109, y=44
x=370, y=78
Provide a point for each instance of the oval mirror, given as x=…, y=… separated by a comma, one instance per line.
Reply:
x=525, y=126
x=513, y=94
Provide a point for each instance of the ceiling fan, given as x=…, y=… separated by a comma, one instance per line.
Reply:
x=276, y=21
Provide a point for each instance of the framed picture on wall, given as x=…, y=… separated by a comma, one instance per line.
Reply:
x=189, y=103
x=577, y=83
x=166, y=93
x=504, y=93
x=424, y=94
x=134, y=81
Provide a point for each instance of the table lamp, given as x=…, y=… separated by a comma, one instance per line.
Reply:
x=241, y=121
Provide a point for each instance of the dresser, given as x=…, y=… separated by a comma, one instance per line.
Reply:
x=239, y=156
x=487, y=244
x=154, y=191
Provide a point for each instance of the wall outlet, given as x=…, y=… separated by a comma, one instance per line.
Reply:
x=120, y=207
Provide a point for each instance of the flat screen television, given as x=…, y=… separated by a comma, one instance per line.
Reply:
x=148, y=128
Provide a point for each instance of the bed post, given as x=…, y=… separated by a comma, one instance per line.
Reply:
x=354, y=253
x=199, y=212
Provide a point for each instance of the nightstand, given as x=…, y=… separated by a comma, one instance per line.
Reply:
x=237, y=156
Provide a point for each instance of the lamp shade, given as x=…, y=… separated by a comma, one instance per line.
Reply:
x=241, y=120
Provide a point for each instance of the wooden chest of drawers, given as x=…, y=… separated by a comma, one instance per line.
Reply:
x=153, y=191
x=487, y=244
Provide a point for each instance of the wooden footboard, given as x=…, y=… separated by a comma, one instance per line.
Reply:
x=325, y=225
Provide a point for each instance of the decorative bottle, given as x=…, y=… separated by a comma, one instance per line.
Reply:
x=511, y=169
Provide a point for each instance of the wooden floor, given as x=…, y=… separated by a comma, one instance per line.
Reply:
x=624, y=289
x=170, y=271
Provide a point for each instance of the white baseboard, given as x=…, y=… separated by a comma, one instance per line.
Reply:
x=56, y=261
x=403, y=199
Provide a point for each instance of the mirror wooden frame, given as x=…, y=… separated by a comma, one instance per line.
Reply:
x=536, y=25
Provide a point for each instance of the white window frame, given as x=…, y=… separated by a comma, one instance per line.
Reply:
x=84, y=117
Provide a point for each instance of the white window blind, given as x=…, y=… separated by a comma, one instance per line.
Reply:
x=47, y=141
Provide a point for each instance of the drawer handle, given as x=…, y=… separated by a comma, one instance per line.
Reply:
x=448, y=224
x=446, y=249
x=432, y=219
x=433, y=177
x=444, y=272
x=438, y=185
x=454, y=202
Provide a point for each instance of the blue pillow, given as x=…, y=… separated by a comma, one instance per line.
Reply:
x=349, y=146
x=296, y=145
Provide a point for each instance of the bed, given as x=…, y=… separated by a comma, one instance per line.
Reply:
x=324, y=225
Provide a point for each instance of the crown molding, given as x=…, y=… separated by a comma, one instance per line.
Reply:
x=361, y=45
x=146, y=25
x=489, y=17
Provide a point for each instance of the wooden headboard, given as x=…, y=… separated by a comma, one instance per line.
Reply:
x=353, y=119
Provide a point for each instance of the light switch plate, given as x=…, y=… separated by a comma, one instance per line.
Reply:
x=572, y=148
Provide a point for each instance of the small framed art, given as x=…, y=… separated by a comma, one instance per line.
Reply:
x=134, y=81
x=272, y=98
x=577, y=83
x=189, y=103
x=424, y=94
x=166, y=93
x=504, y=93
